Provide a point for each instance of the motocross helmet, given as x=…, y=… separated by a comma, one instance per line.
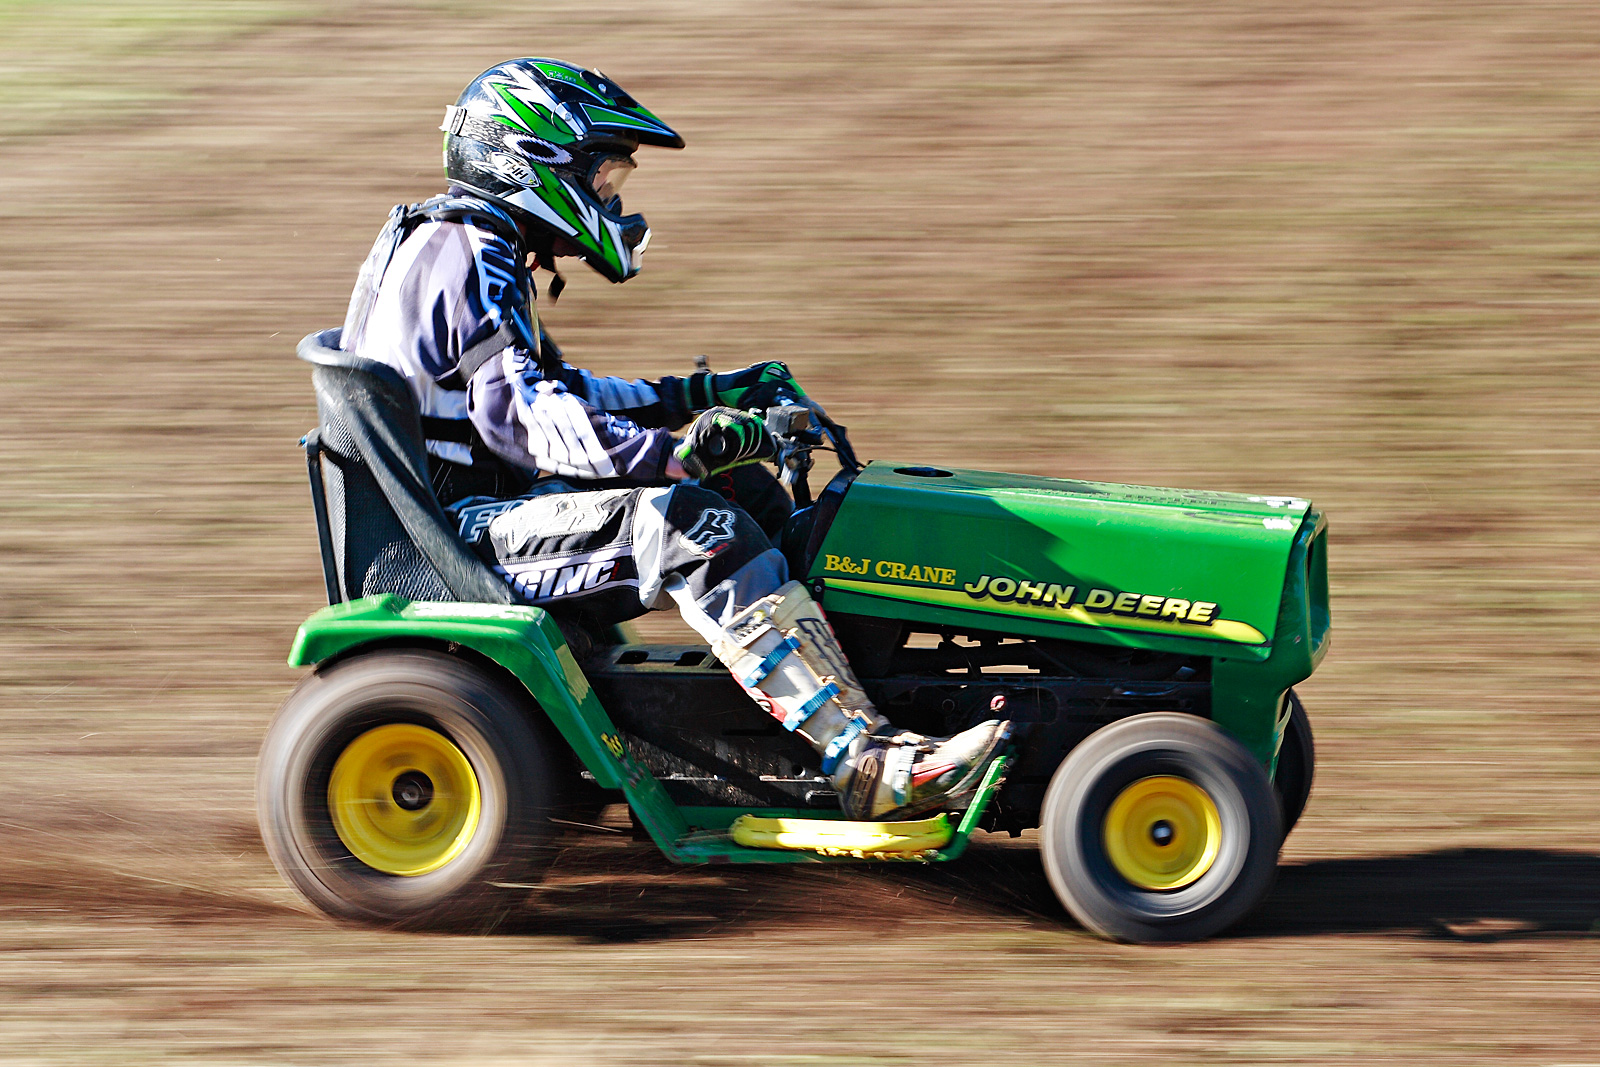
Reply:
x=554, y=143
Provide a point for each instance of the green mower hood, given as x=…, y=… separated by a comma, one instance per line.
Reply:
x=1113, y=564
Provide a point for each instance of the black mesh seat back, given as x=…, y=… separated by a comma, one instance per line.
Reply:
x=372, y=551
x=388, y=533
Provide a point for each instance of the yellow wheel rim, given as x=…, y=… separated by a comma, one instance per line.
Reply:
x=404, y=800
x=1163, y=832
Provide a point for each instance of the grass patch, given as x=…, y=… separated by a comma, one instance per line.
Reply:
x=76, y=64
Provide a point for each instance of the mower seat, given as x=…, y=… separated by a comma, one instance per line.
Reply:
x=379, y=524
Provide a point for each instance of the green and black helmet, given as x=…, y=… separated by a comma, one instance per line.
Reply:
x=554, y=143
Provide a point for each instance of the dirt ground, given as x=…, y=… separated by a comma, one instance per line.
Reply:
x=1348, y=252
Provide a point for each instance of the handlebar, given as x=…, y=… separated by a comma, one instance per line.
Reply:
x=790, y=422
x=799, y=426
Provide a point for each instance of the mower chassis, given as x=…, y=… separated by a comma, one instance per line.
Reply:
x=526, y=642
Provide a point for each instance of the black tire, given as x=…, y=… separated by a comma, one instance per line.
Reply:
x=512, y=756
x=1115, y=757
x=1297, y=764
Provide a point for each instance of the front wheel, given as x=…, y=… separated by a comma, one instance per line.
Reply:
x=407, y=787
x=1297, y=764
x=1160, y=827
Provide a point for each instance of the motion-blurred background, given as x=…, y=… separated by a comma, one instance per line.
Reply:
x=1348, y=251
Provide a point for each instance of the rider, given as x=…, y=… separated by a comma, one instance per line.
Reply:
x=571, y=484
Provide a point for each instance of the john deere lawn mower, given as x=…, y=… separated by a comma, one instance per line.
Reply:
x=1143, y=641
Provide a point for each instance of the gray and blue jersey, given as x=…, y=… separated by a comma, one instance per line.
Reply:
x=450, y=286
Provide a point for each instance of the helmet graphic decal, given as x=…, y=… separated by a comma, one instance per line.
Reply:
x=509, y=167
x=598, y=115
x=536, y=150
x=530, y=108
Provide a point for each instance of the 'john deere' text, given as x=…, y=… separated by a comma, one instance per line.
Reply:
x=1006, y=590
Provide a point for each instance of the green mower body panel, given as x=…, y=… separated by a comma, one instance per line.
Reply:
x=1239, y=579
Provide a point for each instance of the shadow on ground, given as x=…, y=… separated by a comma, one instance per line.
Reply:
x=1475, y=895
x=616, y=890
x=1470, y=894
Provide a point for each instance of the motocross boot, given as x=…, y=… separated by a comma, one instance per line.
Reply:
x=901, y=774
x=783, y=652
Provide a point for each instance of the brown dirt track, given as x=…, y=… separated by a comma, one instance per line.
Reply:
x=1349, y=254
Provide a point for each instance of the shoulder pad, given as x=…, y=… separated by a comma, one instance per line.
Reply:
x=448, y=208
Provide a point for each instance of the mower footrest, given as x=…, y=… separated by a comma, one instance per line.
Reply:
x=834, y=837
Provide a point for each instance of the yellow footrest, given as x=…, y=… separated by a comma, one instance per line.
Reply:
x=835, y=837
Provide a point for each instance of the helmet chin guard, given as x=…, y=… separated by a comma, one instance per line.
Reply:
x=553, y=142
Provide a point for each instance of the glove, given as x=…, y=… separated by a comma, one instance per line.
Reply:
x=721, y=439
x=757, y=386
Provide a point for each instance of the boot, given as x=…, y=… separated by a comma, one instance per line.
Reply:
x=783, y=652
x=904, y=774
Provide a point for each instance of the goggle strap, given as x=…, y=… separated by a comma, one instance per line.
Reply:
x=454, y=119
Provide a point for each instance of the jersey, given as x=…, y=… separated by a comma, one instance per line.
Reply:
x=433, y=292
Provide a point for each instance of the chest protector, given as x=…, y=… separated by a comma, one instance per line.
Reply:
x=521, y=325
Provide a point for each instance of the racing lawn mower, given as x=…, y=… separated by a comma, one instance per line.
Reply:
x=1142, y=641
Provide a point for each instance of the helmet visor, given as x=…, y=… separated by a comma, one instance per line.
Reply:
x=607, y=177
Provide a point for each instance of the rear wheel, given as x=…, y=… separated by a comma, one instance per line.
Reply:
x=408, y=787
x=1297, y=764
x=1160, y=827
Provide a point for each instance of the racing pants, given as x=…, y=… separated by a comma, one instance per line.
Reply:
x=601, y=555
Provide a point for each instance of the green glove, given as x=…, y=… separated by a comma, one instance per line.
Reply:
x=721, y=439
x=757, y=386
